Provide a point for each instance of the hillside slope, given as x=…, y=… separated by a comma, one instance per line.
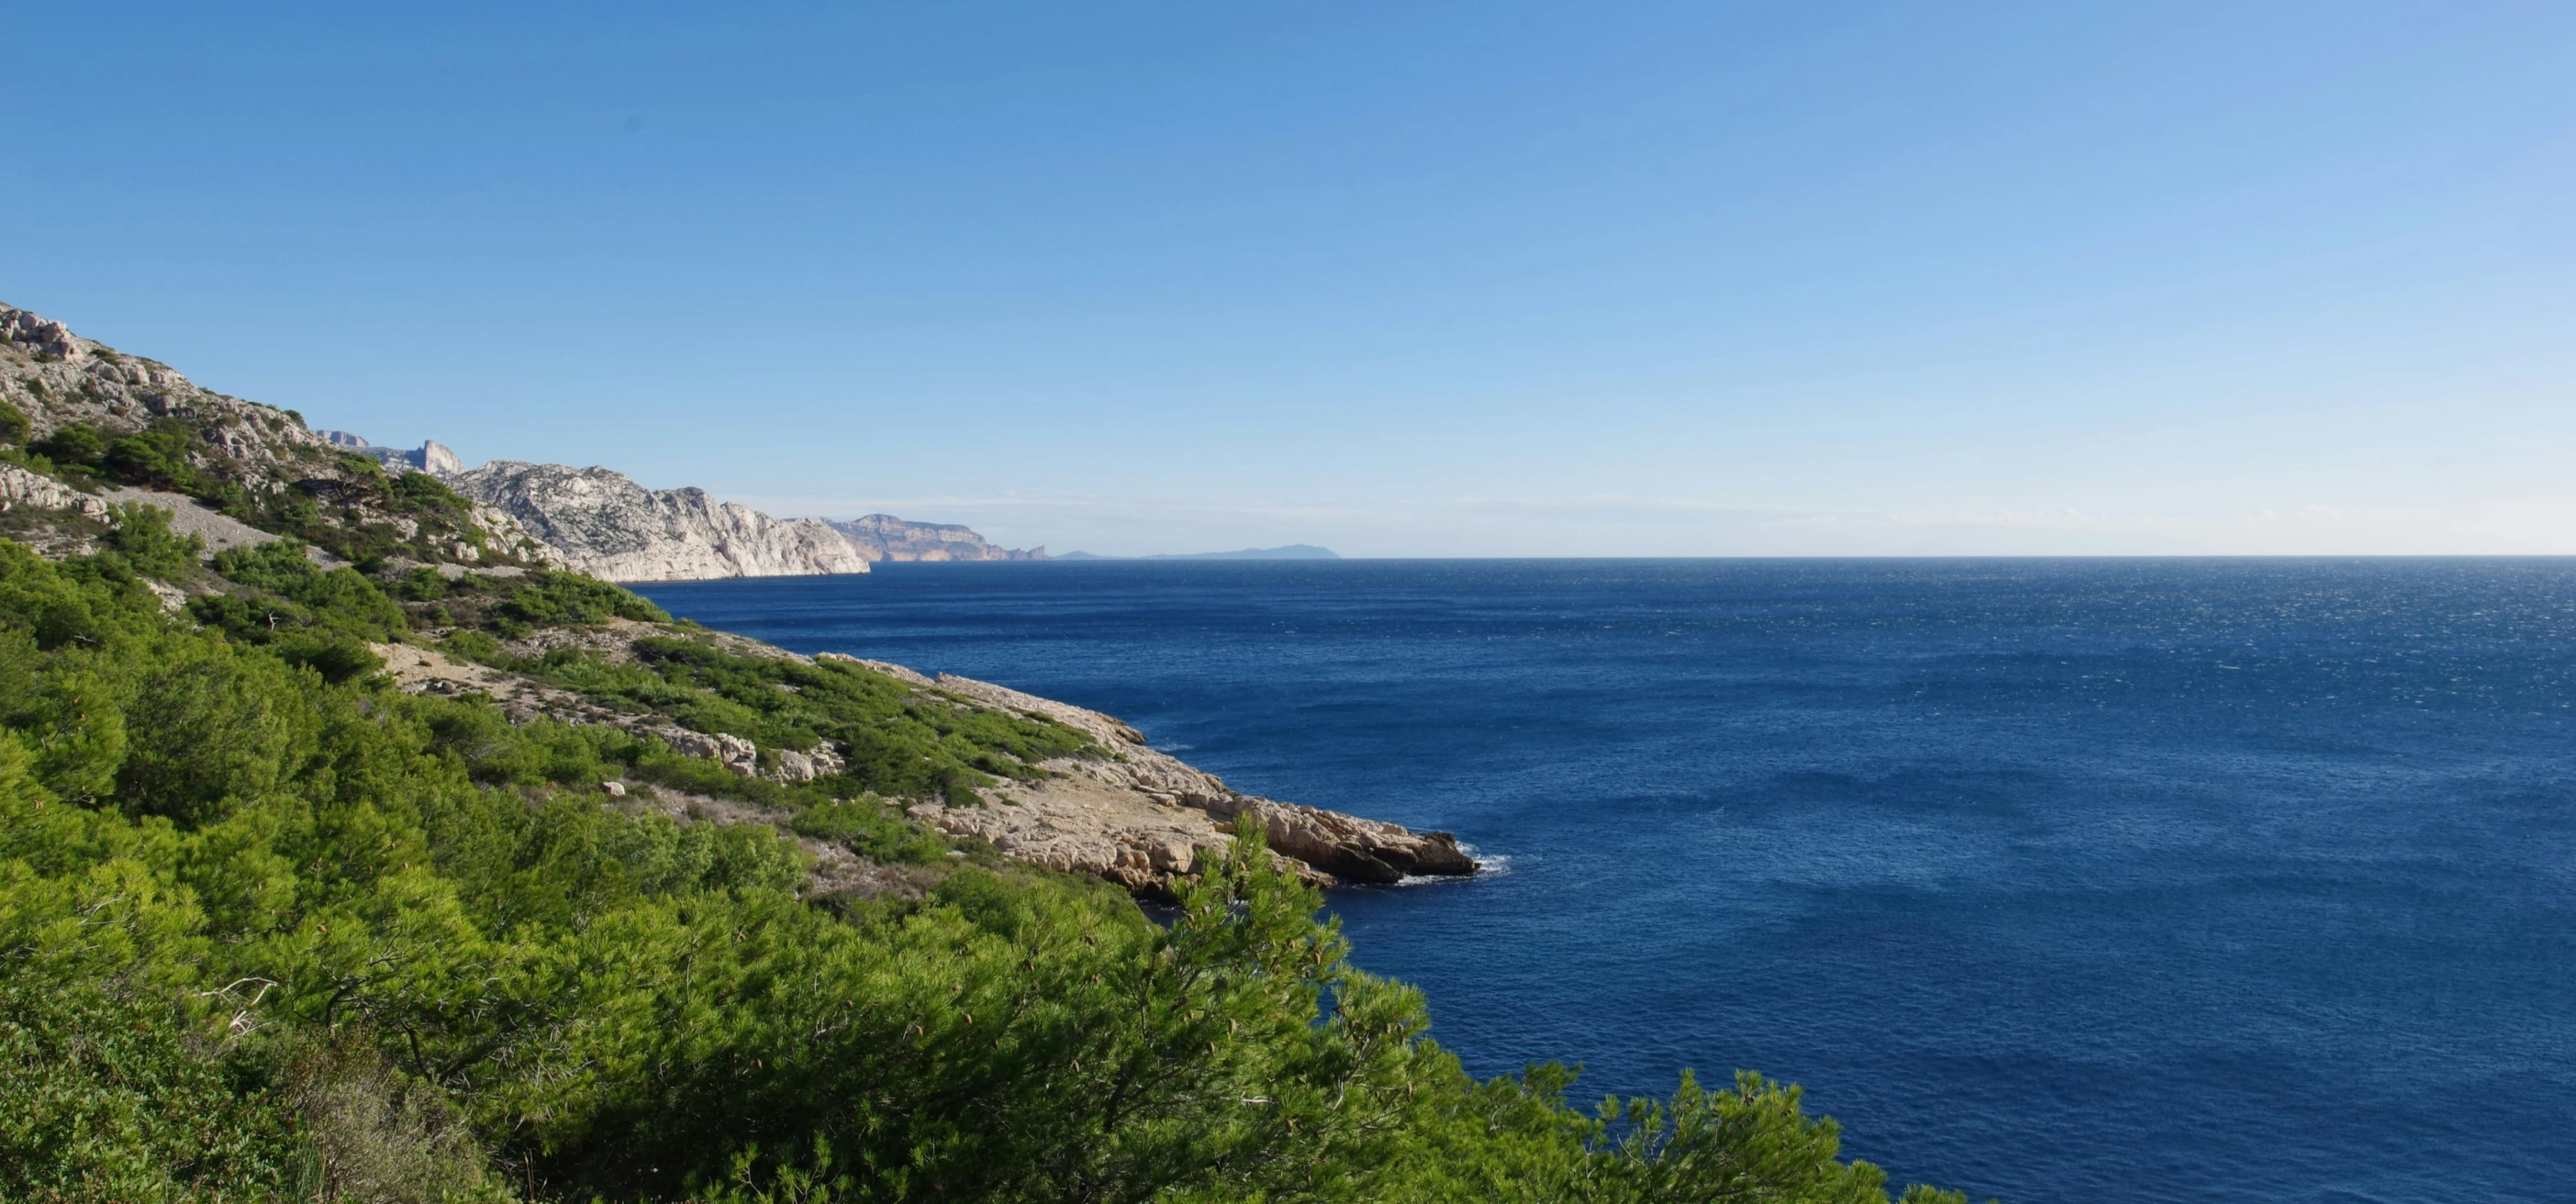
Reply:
x=97, y=420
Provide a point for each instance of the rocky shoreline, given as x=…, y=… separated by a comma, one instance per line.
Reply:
x=1140, y=815
x=1135, y=816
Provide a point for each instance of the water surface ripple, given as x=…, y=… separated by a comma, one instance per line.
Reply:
x=2241, y=880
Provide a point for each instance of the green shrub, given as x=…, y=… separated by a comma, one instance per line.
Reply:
x=421, y=493
x=157, y=458
x=869, y=828
x=143, y=539
x=472, y=646
x=13, y=423
x=338, y=658
x=103, y=1099
x=76, y=444
x=286, y=591
x=378, y=1135
x=553, y=599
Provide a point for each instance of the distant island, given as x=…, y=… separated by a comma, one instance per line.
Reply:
x=1294, y=551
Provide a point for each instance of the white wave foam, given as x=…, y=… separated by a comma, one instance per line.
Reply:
x=1486, y=867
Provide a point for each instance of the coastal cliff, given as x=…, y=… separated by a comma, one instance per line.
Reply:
x=885, y=537
x=604, y=524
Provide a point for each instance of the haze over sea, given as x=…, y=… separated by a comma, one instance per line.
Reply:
x=2088, y=880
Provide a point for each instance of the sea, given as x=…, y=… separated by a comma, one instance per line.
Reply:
x=2052, y=880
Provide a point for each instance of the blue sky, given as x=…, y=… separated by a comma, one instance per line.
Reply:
x=1481, y=279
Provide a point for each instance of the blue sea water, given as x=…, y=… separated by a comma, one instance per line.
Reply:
x=2115, y=880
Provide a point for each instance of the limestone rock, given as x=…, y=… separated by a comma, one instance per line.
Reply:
x=733, y=752
x=59, y=379
x=1137, y=798
x=818, y=762
x=603, y=523
x=20, y=487
x=432, y=457
x=885, y=537
x=1134, y=816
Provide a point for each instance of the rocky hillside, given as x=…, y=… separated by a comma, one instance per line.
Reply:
x=102, y=420
x=604, y=524
x=105, y=427
x=885, y=537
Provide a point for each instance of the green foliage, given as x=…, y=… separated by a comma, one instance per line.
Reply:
x=419, y=493
x=76, y=444
x=377, y=1134
x=105, y=1098
x=549, y=599
x=157, y=458
x=264, y=934
x=867, y=827
x=338, y=658
x=13, y=423
x=143, y=540
x=352, y=509
x=472, y=646
x=901, y=743
x=284, y=592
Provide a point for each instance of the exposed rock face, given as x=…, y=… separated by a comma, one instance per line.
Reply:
x=19, y=487
x=604, y=524
x=885, y=537
x=1137, y=817
x=1127, y=818
x=60, y=379
x=432, y=457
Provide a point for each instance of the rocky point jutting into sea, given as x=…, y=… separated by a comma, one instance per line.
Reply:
x=238, y=474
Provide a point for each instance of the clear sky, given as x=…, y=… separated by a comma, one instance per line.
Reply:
x=1402, y=279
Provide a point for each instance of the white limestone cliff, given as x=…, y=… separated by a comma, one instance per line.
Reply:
x=603, y=523
x=885, y=537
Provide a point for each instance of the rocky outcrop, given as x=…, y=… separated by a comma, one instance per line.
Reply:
x=885, y=537
x=1123, y=817
x=432, y=457
x=604, y=524
x=1130, y=814
x=60, y=379
x=19, y=487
